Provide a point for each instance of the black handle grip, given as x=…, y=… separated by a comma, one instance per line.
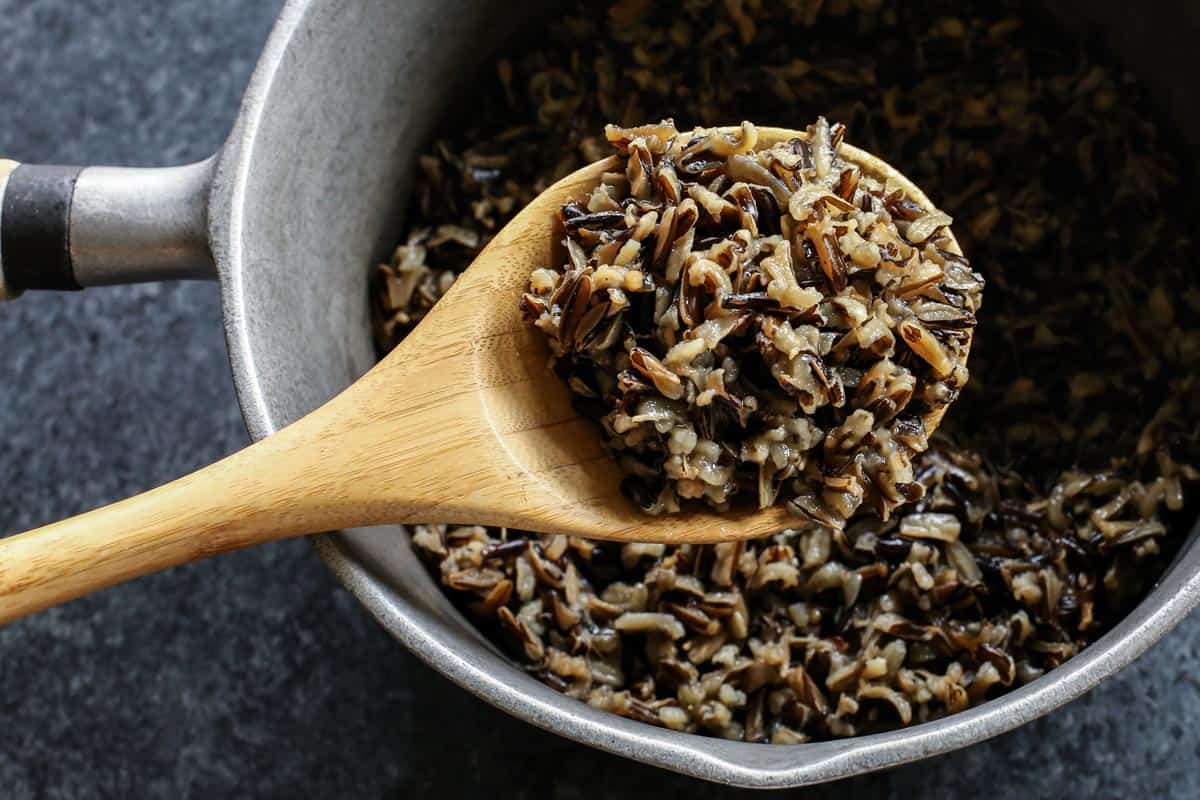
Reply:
x=35, y=228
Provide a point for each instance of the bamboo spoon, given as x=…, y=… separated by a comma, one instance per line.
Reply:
x=462, y=423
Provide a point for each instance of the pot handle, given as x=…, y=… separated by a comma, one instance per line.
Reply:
x=67, y=228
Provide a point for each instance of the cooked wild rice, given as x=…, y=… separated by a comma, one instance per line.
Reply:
x=771, y=321
x=1067, y=478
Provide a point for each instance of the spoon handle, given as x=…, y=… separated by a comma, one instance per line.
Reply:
x=242, y=500
x=398, y=446
x=319, y=474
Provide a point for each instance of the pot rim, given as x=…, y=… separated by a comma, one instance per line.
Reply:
x=742, y=764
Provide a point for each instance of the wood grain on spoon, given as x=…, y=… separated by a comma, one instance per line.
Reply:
x=462, y=423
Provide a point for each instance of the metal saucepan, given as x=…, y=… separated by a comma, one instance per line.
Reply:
x=307, y=195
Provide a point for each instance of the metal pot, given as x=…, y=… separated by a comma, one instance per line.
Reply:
x=306, y=195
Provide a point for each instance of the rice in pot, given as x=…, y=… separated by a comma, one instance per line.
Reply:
x=1064, y=476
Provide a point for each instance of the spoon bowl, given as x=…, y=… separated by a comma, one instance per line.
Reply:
x=462, y=423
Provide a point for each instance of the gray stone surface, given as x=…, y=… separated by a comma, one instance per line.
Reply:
x=255, y=675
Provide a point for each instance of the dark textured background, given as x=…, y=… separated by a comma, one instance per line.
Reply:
x=255, y=675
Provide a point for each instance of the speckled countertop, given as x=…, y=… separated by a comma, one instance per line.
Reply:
x=256, y=675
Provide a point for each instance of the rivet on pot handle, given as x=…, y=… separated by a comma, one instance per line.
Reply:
x=68, y=228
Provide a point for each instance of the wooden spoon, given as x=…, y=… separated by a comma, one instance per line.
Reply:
x=462, y=423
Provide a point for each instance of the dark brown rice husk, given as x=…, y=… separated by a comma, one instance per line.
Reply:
x=1067, y=475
